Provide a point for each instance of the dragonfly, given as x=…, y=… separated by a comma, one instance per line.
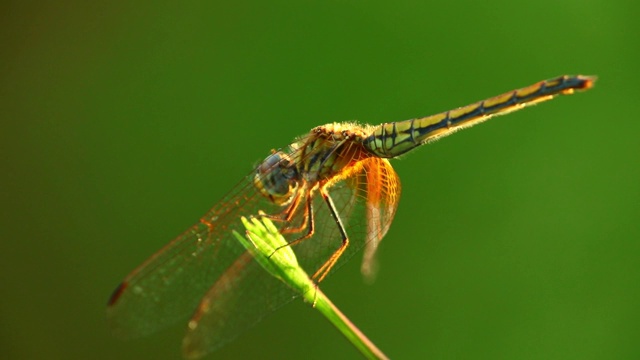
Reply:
x=331, y=193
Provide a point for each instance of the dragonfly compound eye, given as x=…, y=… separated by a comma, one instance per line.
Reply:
x=277, y=178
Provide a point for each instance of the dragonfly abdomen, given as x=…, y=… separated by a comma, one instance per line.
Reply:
x=394, y=139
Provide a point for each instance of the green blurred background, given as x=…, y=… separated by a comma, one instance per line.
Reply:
x=123, y=123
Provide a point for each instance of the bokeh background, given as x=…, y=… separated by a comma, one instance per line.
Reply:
x=123, y=122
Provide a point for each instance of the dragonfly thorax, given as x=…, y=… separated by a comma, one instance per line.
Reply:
x=277, y=178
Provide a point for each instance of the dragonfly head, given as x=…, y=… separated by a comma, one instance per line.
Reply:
x=277, y=178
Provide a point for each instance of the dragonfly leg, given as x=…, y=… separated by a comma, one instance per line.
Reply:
x=307, y=223
x=289, y=213
x=323, y=271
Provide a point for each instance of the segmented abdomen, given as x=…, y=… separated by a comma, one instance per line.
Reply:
x=394, y=139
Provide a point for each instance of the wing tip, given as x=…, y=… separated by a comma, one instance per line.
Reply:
x=117, y=293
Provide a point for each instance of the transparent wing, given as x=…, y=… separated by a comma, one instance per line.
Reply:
x=366, y=202
x=383, y=195
x=239, y=299
x=169, y=285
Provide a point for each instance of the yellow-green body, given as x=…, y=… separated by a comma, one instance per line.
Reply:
x=393, y=139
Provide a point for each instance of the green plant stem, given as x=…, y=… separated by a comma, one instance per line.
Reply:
x=271, y=251
x=347, y=328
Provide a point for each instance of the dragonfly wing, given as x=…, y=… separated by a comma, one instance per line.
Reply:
x=169, y=285
x=225, y=312
x=366, y=202
x=382, y=194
